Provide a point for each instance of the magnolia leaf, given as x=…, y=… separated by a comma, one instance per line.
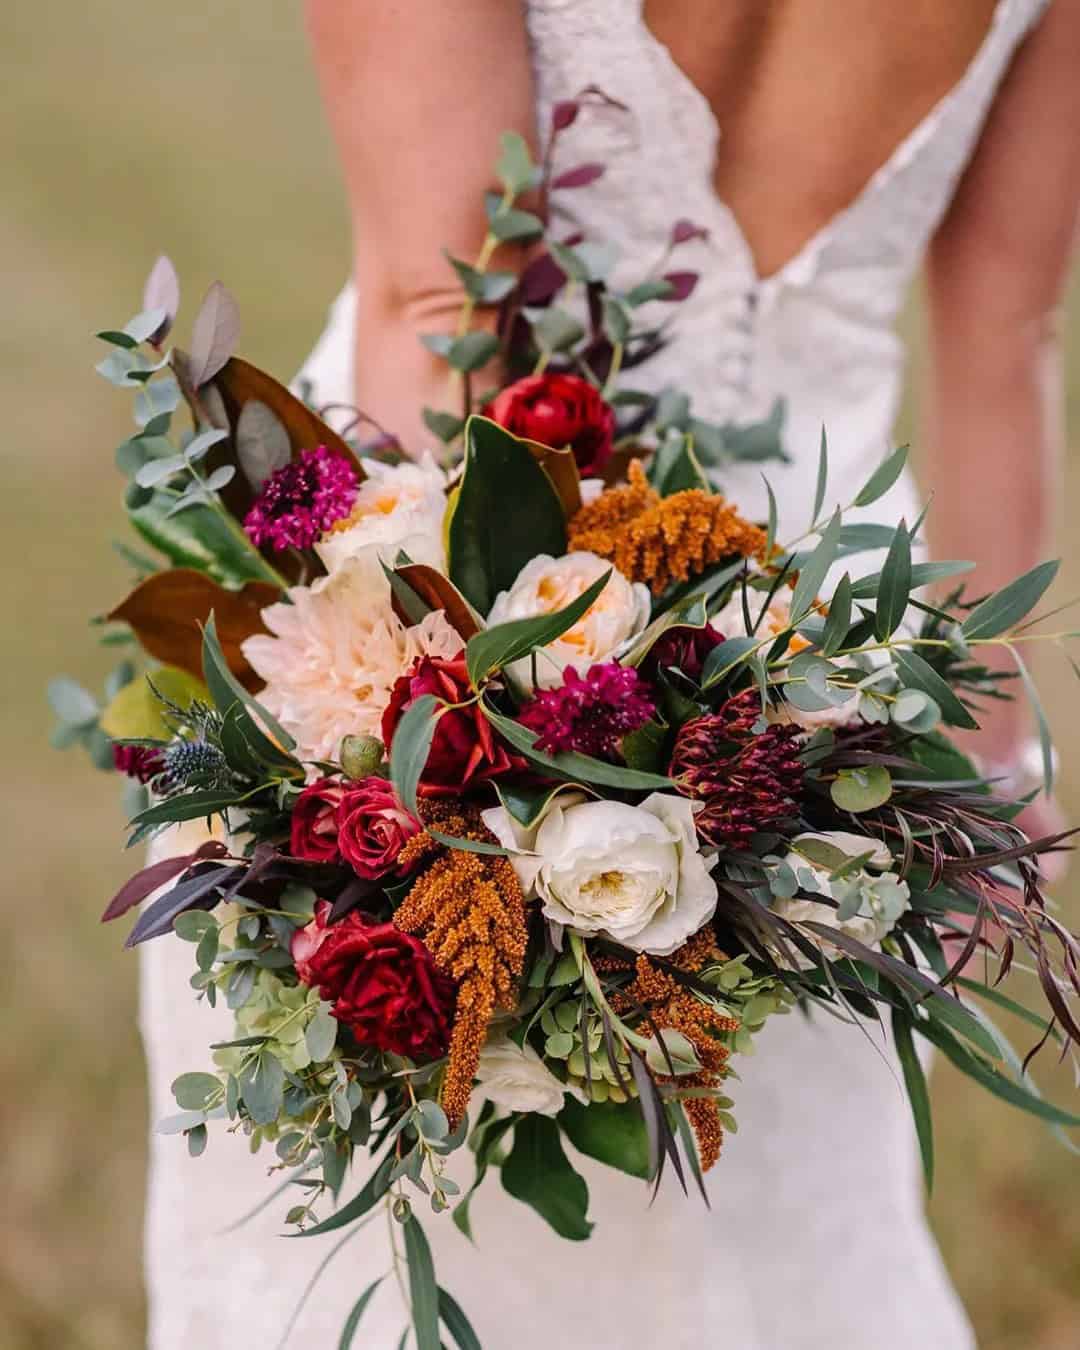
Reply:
x=610, y=1132
x=538, y=1173
x=136, y=712
x=560, y=465
x=169, y=609
x=436, y=592
x=214, y=335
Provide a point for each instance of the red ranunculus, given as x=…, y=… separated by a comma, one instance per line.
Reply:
x=383, y=984
x=372, y=826
x=558, y=410
x=314, y=831
x=464, y=751
x=683, y=648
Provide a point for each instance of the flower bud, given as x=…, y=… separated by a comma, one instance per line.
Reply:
x=401, y=1209
x=361, y=755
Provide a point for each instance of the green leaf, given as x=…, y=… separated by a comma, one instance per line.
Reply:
x=571, y=766
x=894, y=589
x=916, y=673
x=193, y=1090
x=198, y=537
x=486, y=288
x=988, y=1077
x=423, y=1291
x=861, y=789
x=507, y=512
x=226, y=691
x=1012, y=603
x=839, y=618
x=514, y=167
x=189, y=806
x=494, y=648
x=538, y=1173
x=922, y=574
x=554, y=329
x=73, y=705
x=883, y=477
x=612, y=1133
x=675, y=467
x=320, y=1035
x=1046, y=744
x=528, y=805
x=136, y=712
x=814, y=571
x=724, y=658
x=472, y=351
x=447, y=426
x=644, y=748
x=770, y=532
x=348, y=1331
x=412, y=743
x=515, y=224
x=918, y=1093
x=365, y=1199
x=262, y=1085
x=822, y=478
x=456, y=1323
x=648, y=290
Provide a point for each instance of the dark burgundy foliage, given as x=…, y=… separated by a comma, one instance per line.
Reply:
x=682, y=284
x=582, y=176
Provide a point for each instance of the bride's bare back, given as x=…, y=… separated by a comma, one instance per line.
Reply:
x=812, y=96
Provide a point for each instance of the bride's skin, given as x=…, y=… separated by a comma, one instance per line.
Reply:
x=418, y=94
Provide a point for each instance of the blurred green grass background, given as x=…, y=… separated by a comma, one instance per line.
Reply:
x=130, y=131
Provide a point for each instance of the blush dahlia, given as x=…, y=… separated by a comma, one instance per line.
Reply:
x=301, y=500
x=590, y=714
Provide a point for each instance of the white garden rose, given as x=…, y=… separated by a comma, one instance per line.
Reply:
x=515, y=1078
x=398, y=507
x=869, y=901
x=633, y=873
x=547, y=584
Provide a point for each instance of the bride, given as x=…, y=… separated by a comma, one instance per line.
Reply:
x=826, y=149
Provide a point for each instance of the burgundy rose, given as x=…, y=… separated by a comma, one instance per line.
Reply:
x=372, y=826
x=464, y=751
x=683, y=648
x=558, y=410
x=383, y=984
x=314, y=832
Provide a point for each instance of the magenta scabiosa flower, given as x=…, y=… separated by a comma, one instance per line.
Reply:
x=591, y=713
x=301, y=500
x=141, y=762
x=748, y=781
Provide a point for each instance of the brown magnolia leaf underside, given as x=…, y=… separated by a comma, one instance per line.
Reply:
x=561, y=467
x=168, y=611
x=440, y=593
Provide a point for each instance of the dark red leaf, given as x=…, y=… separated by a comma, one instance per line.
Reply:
x=582, y=176
x=144, y=883
x=682, y=284
x=685, y=230
x=564, y=114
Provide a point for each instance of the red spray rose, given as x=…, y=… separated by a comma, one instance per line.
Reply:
x=683, y=648
x=464, y=751
x=383, y=984
x=361, y=823
x=558, y=410
x=314, y=831
x=372, y=827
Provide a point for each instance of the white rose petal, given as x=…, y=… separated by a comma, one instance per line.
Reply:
x=633, y=873
x=517, y=1079
x=399, y=507
x=546, y=584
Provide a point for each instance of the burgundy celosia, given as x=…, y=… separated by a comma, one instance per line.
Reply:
x=301, y=500
x=141, y=762
x=592, y=713
x=748, y=781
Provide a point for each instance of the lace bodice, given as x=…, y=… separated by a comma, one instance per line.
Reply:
x=819, y=331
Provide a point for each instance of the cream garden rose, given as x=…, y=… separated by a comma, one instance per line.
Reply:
x=398, y=507
x=634, y=873
x=868, y=902
x=515, y=1078
x=547, y=584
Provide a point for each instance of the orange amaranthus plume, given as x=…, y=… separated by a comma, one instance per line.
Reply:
x=659, y=540
x=469, y=910
x=670, y=1005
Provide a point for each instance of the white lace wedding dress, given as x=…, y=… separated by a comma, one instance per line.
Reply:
x=816, y=1238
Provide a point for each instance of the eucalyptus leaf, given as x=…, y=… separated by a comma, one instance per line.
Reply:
x=883, y=477
x=262, y=443
x=894, y=588
x=814, y=571
x=410, y=748
x=861, y=789
x=423, y=1289
x=918, y=1093
x=1007, y=607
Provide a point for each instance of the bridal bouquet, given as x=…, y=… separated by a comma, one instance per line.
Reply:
x=538, y=779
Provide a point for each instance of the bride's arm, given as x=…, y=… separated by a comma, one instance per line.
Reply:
x=996, y=278
x=417, y=94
